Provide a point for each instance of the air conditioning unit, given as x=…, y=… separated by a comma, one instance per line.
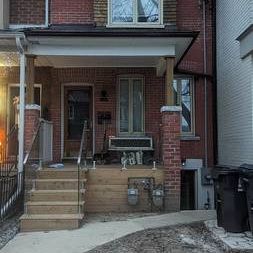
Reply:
x=130, y=143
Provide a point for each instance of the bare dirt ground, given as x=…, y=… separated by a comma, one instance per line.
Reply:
x=194, y=238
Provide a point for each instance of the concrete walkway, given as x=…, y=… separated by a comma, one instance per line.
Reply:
x=92, y=235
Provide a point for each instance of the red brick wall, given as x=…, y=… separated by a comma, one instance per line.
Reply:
x=27, y=12
x=106, y=78
x=193, y=62
x=71, y=12
x=171, y=129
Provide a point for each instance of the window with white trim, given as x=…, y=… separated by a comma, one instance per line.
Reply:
x=134, y=12
x=131, y=106
x=183, y=91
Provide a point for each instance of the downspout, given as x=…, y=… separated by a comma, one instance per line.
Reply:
x=205, y=85
x=214, y=85
x=21, y=105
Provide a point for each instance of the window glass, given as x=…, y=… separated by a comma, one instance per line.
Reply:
x=135, y=11
x=186, y=105
x=122, y=11
x=131, y=106
x=137, y=105
x=124, y=105
x=148, y=11
x=183, y=96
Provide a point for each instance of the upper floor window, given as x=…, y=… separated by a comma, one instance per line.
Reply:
x=183, y=91
x=134, y=12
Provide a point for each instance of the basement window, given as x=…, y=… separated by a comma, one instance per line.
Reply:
x=183, y=92
x=135, y=12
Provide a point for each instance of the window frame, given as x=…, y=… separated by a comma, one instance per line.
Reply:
x=130, y=133
x=135, y=22
x=179, y=103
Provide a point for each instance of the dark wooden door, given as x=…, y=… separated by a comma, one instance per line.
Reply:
x=77, y=110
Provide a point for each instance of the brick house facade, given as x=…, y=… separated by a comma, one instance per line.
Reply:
x=64, y=19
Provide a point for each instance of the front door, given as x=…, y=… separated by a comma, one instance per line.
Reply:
x=77, y=110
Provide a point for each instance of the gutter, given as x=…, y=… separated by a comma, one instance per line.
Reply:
x=112, y=32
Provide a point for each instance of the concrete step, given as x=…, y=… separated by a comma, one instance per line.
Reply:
x=53, y=207
x=56, y=195
x=59, y=174
x=59, y=184
x=36, y=222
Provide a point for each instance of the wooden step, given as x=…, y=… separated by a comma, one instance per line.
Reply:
x=58, y=184
x=52, y=207
x=60, y=174
x=56, y=195
x=49, y=222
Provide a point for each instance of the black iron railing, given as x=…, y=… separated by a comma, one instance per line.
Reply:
x=81, y=161
x=11, y=181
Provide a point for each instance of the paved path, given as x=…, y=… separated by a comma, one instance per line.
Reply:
x=98, y=233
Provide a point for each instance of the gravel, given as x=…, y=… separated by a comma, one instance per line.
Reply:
x=8, y=229
x=194, y=238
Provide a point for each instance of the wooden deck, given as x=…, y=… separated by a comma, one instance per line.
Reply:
x=107, y=185
x=107, y=188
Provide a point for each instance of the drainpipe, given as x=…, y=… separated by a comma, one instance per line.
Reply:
x=21, y=104
x=205, y=83
x=214, y=85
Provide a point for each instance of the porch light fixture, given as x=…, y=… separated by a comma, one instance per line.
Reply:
x=103, y=96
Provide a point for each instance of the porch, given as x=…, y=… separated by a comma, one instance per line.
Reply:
x=120, y=99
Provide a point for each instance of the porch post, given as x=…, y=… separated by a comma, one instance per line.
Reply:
x=30, y=78
x=21, y=112
x=3, y=109
x=171, y=130
x=169, y=94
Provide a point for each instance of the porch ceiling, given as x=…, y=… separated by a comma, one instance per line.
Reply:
x=106, y=52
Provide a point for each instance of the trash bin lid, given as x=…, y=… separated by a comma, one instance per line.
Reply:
x=224, y=170
x=247, y=168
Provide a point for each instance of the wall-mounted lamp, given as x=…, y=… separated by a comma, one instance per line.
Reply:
x=103, y=95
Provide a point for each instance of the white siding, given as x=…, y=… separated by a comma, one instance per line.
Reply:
x=235, y=135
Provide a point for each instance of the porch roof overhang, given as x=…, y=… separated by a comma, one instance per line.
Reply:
x=108, y=47
x=246, y=42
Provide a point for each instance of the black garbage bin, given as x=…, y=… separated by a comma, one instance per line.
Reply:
x=231, y=203
x=247, y=176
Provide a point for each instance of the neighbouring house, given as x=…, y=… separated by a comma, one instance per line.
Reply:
x=234, y=82
x=125, y=87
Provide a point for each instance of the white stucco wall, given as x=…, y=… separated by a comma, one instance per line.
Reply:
x=235, y=83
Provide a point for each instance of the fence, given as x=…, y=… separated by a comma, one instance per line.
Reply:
x=11, y=181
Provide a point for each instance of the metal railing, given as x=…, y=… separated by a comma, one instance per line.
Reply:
x=33, y=161
x=81, y=160
x=11, y=181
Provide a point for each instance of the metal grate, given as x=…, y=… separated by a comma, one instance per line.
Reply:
x=130, y=144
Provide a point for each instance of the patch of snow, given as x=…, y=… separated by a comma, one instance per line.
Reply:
x=234, y=241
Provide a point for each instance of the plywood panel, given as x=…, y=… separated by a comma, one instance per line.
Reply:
x=107, y=190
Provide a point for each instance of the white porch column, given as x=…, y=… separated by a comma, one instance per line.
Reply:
x=4, y=14
x=21, y=112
